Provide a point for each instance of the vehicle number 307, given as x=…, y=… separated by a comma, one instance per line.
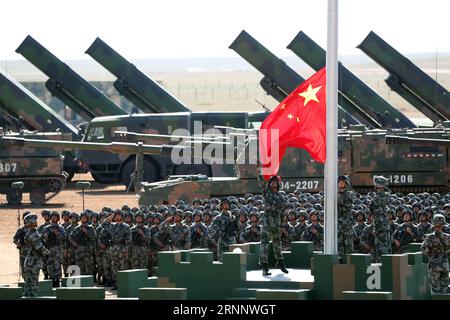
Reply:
x=300, y=185
x=8, y=167
x=401, y=178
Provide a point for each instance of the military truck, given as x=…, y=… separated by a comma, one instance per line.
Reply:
x=41, y=170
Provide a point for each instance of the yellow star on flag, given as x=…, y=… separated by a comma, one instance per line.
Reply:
x=290, y=116
x=310, y=94
x=283, y=106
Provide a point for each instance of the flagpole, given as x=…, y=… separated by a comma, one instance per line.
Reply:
x=331, y=163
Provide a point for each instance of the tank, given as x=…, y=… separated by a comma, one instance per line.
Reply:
x=41, y=170
x=361, y=95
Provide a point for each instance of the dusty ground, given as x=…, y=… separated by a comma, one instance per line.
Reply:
x=96, y=197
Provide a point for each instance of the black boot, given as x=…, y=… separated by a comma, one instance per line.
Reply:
x=114, y=285
x=266, y=271
x=282, y=266
x=95, y=278
x=46, y=276
x=56, y=283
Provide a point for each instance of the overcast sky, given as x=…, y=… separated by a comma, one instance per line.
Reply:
x=204, y=28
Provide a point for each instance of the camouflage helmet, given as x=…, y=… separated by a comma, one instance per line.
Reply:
x=360, y=213
x=118, y=211
x=380, y=181
x=446, y=206
x=344, y=178
x=197, y=213
x=256, y=214
x=46, y=213
x=55, y=213
x=134, y=209
x=223, y=202
x=422, y=213
x=158, y=216
x=125, y=207
x=179, y=213
x=438, y=219
x=94, y=215
x=75, y=215
x=407, y=211
x=30, y=218
x=196, y=200
x=25, y=214
x=292, y=211
x=128, y=214
x=139, y=214
x=84, y=214
x=188, y=213
x=101, y=215
x=107, y=209
x=65, y=213
x=163, y=208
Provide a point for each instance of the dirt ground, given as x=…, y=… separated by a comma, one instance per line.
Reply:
x=96, y=197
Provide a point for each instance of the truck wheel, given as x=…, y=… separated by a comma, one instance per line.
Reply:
x=37, y=197
x=14, y=198
x=150, y=173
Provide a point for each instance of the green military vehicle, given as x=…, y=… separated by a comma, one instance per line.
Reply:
x=40, y=170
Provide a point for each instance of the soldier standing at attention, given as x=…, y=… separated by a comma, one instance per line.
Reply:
x=104, y=253
x=314, y=231
x=345, y=217
x=18, y=240
x=199, y=232
x=378, y=206
x=223, y=229
x=71, y=259
x=180, y=234
x=65, y=215
x=55, y=238
x=274, y=206
x=405, y=233
x=83, y=239
x=46, y=215
x=140, y=239
x=253, y=231
x=436, y=246
x=33, y=260
x=358, y=230
x=424, y=226
x=120, y=242
x=154, y=245
x=301, y=225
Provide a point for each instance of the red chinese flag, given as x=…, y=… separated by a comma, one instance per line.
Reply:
x=299, y=121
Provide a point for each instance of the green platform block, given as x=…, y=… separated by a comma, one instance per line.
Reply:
x=300, y=255
x=168, y=259
x=10, y=293
x=82, y=281
x=418, y=286
x=361, y=262
x=414, y=247
x=129, y=282
x=45, y=287
x=201, y=259
x=366, y=295
x=152, y=282
x=240, y=293
x=440, y=297
x=323, y=275
x=271, y=294
x=163, y=294
x=70, y=293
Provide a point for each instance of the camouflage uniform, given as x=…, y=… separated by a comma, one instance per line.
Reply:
x=368, y=240
x=65, y=249
x=314, y=233
x=241, y=226
x=103, y=252
x=71, y=260
x=345, y=218
x=223, y=230
x=120, y=243
x=33, y=260
x=45, y=257
x=378, y=206
x=199, y=235
x=180, y=235
x=357, y=233
x=402, y=235
x=274, y=206
x=83, y=239
x=424, y=229
x=298, y=230
x=154, y=245
x=55, y=237
x=251, y=233
x=286, y=236
x=18, y=240
x=436, y=246
x=140, y=240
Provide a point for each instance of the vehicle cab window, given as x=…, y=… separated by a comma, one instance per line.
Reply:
x=96, y=134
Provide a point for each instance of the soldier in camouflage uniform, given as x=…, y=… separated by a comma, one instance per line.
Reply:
x=286, y=233
x=33, y=260
x=424, y=226
x=46, y=215
x=128, y=219
x=120, y=242
x=252, y=232
x=103, y=252
x=54, y=237
x=345, y=216
x=300, y=226
x=436, y=246
x=405, y=233
x=71, y=259
x=18, y=240
x=154, y=246
x=188, y=219
x=378, y=207
x=314, y=232
x=358, y=230
x=392, y=223
x=140, y=240
x=367, y=236
x=242, y=224
x=180, y=234
x=199, y=232
x=83, y=239
x=65, y=215
x=274, y=205
x=223, y=229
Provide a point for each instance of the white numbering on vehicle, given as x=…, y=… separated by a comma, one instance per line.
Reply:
x=401, y=178
x=300, y=185
x=8, y=167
